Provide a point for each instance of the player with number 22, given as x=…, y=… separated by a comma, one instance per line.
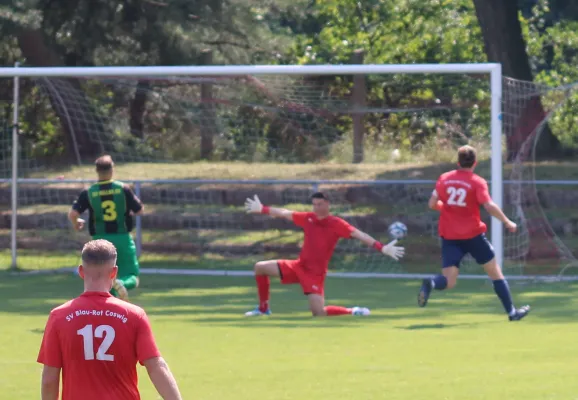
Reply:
x=458, y=196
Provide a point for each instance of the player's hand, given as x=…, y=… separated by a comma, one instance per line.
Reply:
x=79, y=224
x=395, y=252
x=511, y=226
x=253, y=206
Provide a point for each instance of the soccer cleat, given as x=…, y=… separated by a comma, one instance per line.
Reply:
x=361, y=311
x=120, y=289
x=424, y=292
x=520, y=313
x=257, y=313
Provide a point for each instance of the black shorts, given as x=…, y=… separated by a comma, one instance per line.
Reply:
x=479, y=247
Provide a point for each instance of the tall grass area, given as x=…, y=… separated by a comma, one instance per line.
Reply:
x=434, y=150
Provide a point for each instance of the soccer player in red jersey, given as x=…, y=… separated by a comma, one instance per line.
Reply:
x=96, y=340
x=322, y=231
x=458, y=196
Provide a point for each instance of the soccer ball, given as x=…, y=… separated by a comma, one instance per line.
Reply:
x=397, y=230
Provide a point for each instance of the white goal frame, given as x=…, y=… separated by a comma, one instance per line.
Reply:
x=493, y=69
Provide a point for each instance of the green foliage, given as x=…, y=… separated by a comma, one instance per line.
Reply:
x=427, y=114
x=417, y=110
x=391, y=31
x=553, y=50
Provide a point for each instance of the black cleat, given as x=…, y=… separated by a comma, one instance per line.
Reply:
x=520, y=313
x=424, y=292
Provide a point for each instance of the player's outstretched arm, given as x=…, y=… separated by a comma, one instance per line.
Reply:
x=254, y=206
x=162, y=378
x=50, y=383
x=495, y=211
x=390, y=249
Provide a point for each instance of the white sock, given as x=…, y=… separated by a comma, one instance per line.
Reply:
x=512, y=312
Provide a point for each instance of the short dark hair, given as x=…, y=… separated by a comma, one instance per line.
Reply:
x=98, y=253
x=319, y=195
x=466, y=156
x=104, y=163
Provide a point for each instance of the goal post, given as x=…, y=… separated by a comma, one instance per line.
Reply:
x=491, y=70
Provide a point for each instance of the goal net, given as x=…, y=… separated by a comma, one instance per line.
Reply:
x=540, y=179
x=194, y=147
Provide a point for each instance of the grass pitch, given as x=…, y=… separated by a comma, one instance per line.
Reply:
x=459, y=347
x=550, y=170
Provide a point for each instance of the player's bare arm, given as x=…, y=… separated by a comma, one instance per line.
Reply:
x=162, y=378
x=434, y=202
x=254, y=206
x=390, y=249
x=75, y=220
x=495, y=211
x=50, y=383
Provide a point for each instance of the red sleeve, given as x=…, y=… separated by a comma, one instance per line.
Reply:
x=50, y=353
x=342, y=228
x=482, y=193
x=146, y=346
x=299, y=218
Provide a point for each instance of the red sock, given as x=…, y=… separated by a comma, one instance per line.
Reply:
x=337, y=310
x=263, y=290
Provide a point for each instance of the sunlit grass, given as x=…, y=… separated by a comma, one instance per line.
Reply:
x=216, y=353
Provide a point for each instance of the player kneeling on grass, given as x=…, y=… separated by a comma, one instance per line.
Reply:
x=458, y=196
x=322, y=232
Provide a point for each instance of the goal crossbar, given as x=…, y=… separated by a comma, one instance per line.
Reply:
x=494, y=70
x=216, y=70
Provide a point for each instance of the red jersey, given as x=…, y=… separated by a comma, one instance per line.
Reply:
x=462, y=193
x=321, y=237
x=97, y=340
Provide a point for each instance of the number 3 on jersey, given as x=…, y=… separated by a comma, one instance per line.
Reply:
x=101, y=331
x=109, y=208
x=457, y=196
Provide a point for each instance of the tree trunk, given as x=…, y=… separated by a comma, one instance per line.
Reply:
x=209, y=128
x=358, y=98
x=138, y=108
x=84, y=130
x=522, y=118
x=504, y=44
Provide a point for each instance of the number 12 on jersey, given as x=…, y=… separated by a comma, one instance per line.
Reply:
x=457, y=196
x=101, y=331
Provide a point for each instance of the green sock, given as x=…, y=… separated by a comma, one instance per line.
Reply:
x=130, y=282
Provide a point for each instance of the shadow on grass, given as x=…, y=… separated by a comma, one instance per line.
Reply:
x=222, y=301
x=419, y=327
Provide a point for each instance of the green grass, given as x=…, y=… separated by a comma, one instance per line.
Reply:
x=323, y=171
x=459, y=347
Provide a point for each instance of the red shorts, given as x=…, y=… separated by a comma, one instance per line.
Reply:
x=292, y=271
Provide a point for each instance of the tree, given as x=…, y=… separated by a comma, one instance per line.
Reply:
x=398, y=32
x=504, y=43
x=126, y=32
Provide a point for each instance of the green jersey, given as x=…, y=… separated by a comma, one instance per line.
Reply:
x=109, y=204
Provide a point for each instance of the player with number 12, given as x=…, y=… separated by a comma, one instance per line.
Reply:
x=458, y=196
x=96, y=340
